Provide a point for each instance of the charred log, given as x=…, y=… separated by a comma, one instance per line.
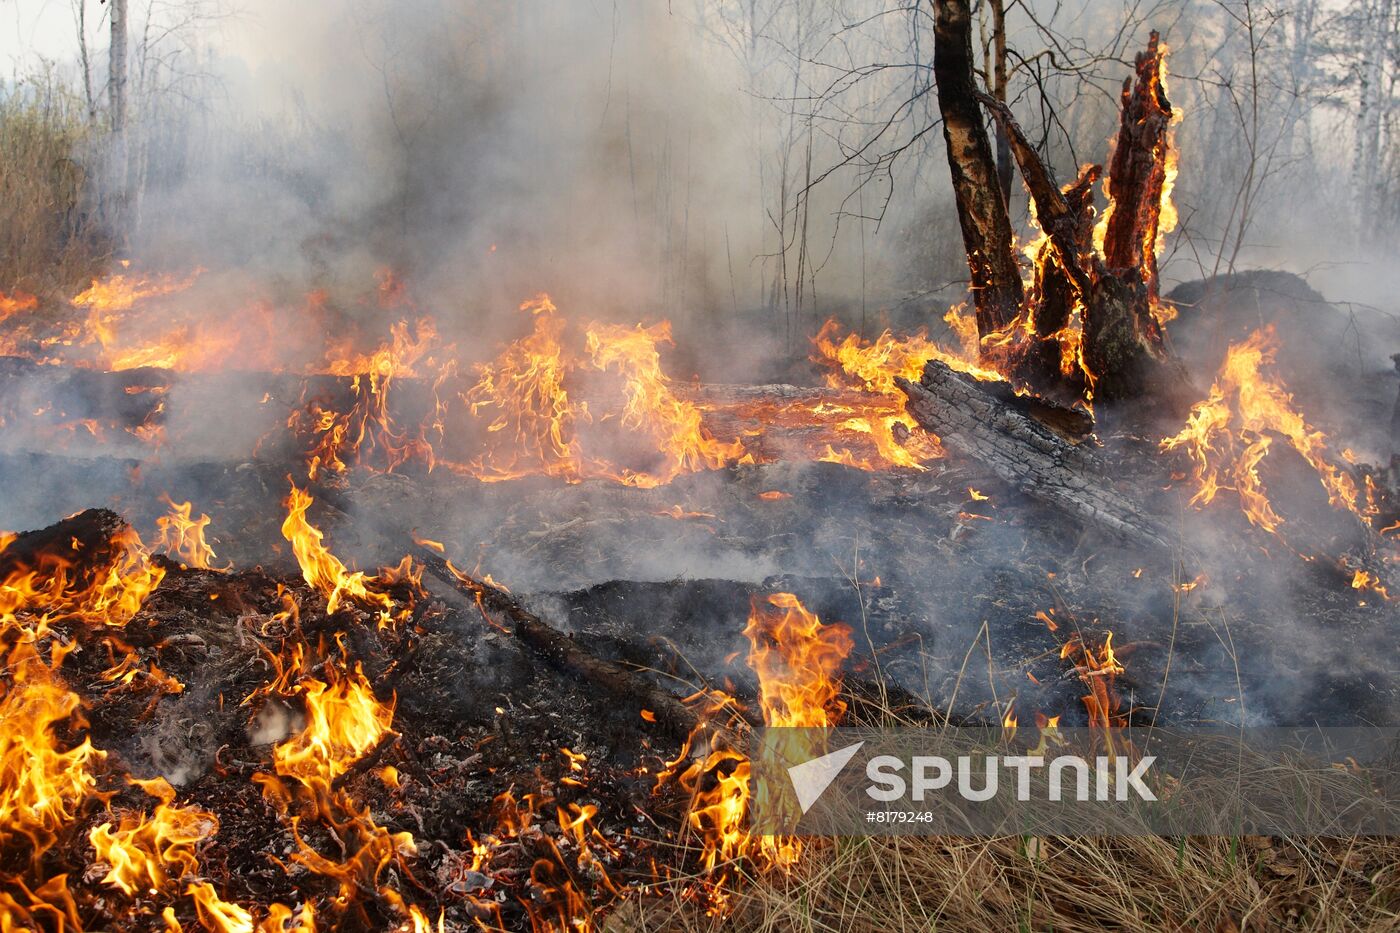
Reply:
x=986, y=227
x=1026, y=453
x=563, y=653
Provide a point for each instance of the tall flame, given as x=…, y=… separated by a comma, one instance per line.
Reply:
x=798, y=661
x=533, y=428
x=182, y=537
x=322, y=570
x=681, y=437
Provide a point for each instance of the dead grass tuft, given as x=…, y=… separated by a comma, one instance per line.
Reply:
x=1209, y=883
x=50, y=237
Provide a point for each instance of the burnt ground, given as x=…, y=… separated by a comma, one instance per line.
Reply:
x=475, y=717
x=941, y=588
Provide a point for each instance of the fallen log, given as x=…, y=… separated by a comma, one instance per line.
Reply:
x=1026, y=453
x=503, y=611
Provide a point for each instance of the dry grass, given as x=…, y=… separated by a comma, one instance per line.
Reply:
x=50, y=238
x=1061, y=884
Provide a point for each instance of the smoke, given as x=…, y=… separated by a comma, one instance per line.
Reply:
x=485, y=151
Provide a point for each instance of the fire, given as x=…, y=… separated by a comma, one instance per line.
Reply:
x=534, y=424
x=1165, y=219
x=367, y=433
x=145, y=854
x=109, y=594
x=872, y=367
x=1097, y=670
x=1365, y=580
x=182, y=537
x=129, y=341
x=535, y=421
x=47, y=767
x=323, y=571
x=43, y=780
x=681, y=437
x=798, y=661
x=1229, y=432
x=344, y=721
x=15, y=302
x=121, y=292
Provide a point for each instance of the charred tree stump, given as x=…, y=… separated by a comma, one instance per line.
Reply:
x=986, y=227
x=1026, y=453
x=1124, y=348
x=1123, y=343
x=1137, y=173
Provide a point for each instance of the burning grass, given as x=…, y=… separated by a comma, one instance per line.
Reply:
x=241, y=751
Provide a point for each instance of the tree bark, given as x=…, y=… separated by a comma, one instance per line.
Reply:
x=999, y=83
x=986, y=227
x=116, y=91
x=116, y=82
x=1026, y=453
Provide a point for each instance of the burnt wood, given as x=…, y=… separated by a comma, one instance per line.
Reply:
x=974, y=421
x=986, y=227
x=501, y=610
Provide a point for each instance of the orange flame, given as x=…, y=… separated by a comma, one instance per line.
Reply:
x=323, y=571
x=182, y=537
x=144, y=854
x=680, y=436
x=1229, y=432
x=534, y=426
x=798, y=662
x=15, y=302
x=42, y=782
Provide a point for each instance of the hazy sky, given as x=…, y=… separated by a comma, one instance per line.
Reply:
x=32, y=28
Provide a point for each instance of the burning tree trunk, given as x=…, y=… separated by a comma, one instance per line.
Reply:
x=1124, y=345
x=986, y=228
x=1138, y=172
x=1124, y=354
